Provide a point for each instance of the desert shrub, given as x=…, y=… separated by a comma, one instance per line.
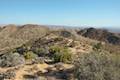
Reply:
x=97, y=66
x=112, y=48
x=54, y=49
x=61, y=54
x=41, y=52
x=57, y=57
x=30, y=55
x=97, y=47
x=65, y=56
x=11, y=59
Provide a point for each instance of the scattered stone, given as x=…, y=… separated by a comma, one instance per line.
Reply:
x=9, y=74
x=31, y=77
x=59, y=66
x=38, y=60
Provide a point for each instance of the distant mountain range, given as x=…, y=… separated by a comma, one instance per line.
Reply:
x=101, y=35
x=111, y=28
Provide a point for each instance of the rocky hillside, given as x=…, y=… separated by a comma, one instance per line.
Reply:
x=43, y=55
x=101, y=35
x=12, y=36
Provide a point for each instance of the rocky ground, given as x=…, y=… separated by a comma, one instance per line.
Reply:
x=57, y=71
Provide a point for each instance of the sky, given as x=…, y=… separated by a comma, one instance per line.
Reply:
x=99, y=13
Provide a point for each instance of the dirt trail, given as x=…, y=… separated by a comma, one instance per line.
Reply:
x=32, y=69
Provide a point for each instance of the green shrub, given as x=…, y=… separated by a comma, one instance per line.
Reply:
x=39, y=51
x=61, y=54
x=56, y=57
x=97, y=47
x=97, y=66
x=30, y=55
x=54, y=49
x=66, y=56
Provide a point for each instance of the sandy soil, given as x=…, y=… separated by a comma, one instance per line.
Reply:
x=31, y=69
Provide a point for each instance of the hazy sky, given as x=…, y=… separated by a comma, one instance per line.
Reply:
x=61, y=12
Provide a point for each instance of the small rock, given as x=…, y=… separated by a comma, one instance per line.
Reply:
x=9, y=74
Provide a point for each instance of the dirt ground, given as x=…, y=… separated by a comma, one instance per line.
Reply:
x=44, y=70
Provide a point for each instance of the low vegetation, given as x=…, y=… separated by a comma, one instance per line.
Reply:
x=97, y=66
x=11, y=59
x=61, y=54
x=30, y=55
x=97, y=46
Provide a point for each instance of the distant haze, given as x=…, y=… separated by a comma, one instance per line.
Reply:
x=114, y=29
x=111, y=29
